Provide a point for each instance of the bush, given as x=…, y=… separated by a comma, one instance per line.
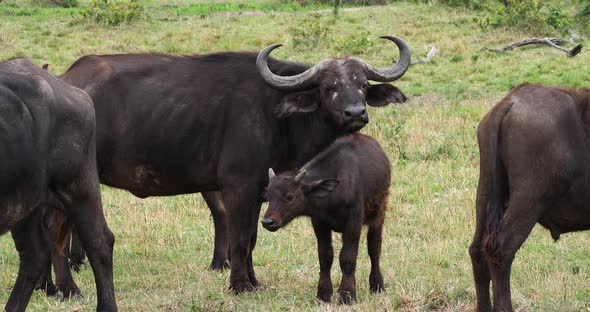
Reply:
x=357, y=45
x=533, y=15
x=61, y=3
x=340, y=2
x=310, y=31
x=114, y=12
x=471, y=4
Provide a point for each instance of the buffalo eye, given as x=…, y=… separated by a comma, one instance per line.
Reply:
x=289, y=198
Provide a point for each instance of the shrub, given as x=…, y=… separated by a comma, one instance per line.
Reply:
x=340, y=2
x=471, y=4
x=533, y=15
x=310, y=31
x=114, y=12
x=357, y=45
x=61, y=3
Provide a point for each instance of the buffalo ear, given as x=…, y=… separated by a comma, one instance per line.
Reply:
x=320, y=188
x=383, y=94
x=264, y=195
x=300, y=102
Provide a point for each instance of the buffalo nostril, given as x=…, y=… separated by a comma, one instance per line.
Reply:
x=267, y=221
x=355, y=112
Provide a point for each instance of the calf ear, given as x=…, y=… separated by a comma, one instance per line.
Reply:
x=300, y=102
x=320, y=188
x=383, y=94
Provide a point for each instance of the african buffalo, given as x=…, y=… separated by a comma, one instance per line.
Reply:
x=534, y=155
x=48, y=167
x=342, y=188
x=169, y=125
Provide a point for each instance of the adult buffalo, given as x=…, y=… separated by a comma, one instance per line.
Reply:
x=534, y=155
x=169, y=125
x=48, y=167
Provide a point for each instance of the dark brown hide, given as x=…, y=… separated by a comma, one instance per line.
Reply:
x=341, y=189
x=534, y=156
x=48, y=168
x=170, y=125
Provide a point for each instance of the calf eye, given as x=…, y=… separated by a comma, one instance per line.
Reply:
x=289, y=198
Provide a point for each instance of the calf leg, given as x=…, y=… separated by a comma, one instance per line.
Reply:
x=481, y=269
x=33, y=252
x=374, y=239
x=221, y=250
x=348, y=255
x=519, y=219
x=326, y=257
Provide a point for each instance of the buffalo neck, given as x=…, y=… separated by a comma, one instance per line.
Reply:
x=303, y=137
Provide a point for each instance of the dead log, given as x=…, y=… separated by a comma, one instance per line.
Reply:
x=552, y=42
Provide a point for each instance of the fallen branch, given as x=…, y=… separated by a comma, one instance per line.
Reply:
x=432, y=53
x=552, y=42
x=573, y=36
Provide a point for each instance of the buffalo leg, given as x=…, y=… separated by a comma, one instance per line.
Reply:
x=75, y=252
x=98, y=242
x=45, y=283
x=33, y=252
x=253, y=237
x=374, y=239
x=221, y=250
x=243, y=205
x=481, y=269
x=326, y=257
x=63, y=276
x=518, y=221
x=348, y=255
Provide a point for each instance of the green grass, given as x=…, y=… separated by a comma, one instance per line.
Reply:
x=164, y=245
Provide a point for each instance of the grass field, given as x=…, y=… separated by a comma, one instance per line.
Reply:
x=164, y=245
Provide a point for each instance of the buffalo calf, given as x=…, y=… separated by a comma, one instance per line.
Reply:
x=534, y=168
x=342, y=188
x=48, y=169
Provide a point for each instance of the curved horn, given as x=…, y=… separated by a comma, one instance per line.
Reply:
x=287, y=83
x=271, y=174
x=394, y=72
x=300, y=175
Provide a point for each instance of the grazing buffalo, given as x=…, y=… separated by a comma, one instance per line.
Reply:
x=169, y=125
x=534, y=153
x=342, y=188
x=48, y=168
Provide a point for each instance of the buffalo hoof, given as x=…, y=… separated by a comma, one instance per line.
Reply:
x=220, y=265
x=376, y=283
x=323, y=299
x=347, y=297
x=70, y=293
x=48, y=288
x=241, y=286
x=324, y=293
x=253, y=280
